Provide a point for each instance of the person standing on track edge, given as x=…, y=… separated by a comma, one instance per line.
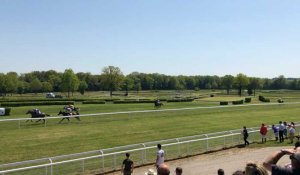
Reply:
x=245, y=134
x=160, y=158
x=127, y=166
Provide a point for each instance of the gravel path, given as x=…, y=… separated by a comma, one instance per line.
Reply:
x=208, y=164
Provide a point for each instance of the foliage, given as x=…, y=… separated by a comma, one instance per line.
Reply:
x=248, y=100
x=238, y=102
x=263, y=99
x=7, y=111
x=15, y=104
x=70, y=82
x=112, y=78
x=241, y=81
x=223, y=102
x=82, y=87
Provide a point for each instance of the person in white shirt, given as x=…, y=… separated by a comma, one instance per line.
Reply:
x=160, y=156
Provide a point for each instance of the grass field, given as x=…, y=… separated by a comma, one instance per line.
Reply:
x=33, y=140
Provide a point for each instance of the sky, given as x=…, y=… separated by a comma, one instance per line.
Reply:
x=259, y=38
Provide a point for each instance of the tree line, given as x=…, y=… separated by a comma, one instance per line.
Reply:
x=111, y=79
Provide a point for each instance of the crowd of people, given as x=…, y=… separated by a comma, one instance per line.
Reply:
x=281, y=131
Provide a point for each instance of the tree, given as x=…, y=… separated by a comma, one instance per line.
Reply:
x=241, y=81
x=70, y=82
x=82, y=87
x=36, y=85
x=227, y=82
x=128, y=84
x=47, y=87
x=254, y=83
x=112, y=78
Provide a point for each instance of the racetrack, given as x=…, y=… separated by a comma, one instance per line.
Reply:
x=207, y=164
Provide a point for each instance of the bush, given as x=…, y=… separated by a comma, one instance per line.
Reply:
x=263, y=99
x=16, y=104
x=181, y=100
x=238, y=102
x=247, y=100
x=7, y=111
x=212, y=95
x=224, y=103
x=93, y=102
x=129, y=102
x=280, y=100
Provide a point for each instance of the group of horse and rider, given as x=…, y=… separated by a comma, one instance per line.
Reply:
x=68, y=110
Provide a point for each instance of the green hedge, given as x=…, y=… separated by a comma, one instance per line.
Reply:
x=93, y=102
x=127, y=102
x=180, y=100
x=238, y=102
x=263, y=99
x=223, y=102
x=16, y=104
x=7, y=111
x=247, y=100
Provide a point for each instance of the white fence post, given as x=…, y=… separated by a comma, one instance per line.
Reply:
x=102, y=160
x=51, y=166
x=178, y=146
x=206, y=142
x=83, y=166
x=144, y=156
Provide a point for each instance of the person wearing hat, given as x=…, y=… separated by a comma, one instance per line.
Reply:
x=270, y=162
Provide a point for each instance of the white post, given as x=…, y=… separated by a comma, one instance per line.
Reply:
x=51, y=167
x=206, y=142
x=144, y=156
x=83, y=166
x=178, y=146
x=102, y=160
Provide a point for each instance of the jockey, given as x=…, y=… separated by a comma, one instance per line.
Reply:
x=37, y=111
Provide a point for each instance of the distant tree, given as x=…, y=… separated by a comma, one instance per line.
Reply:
x=11, y=82
x=254, y=83
x=47, y=87
x=127, y=84
x=82, y=87
x=279, y=82
x=227, y=82
x=36, y=86
x=70, y=82
x=112, y=78
x=55, y=80
x=241, y=81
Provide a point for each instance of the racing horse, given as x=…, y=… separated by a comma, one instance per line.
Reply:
x=36, y=115
x=158, y=104
x=75, y=111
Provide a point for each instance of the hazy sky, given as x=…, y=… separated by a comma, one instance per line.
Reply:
x=173, y=37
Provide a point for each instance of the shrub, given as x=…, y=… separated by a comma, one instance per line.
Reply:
x=93, y=102
x=247, y=100
x=224, y=103
x=238, y=102
x=181, y=100
x=127, y=102
x=263, y=99
x=280, y=100
x=15, y=104
x=212, y=95
x=7, y=111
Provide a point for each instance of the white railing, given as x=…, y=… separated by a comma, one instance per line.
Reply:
x=139, y=111
x=106, y=160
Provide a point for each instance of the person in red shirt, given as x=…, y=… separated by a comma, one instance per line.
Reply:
x=263, y=132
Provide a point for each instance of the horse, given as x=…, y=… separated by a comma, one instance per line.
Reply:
x=35, y=115
x=158, y=104
x=64, y=113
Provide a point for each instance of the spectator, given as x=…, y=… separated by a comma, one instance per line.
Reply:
x=281, y=129
x=221, y=172
x=285, y=133
x=263, y=132
x=163, y=169
x=270, y=163
x=127, y=166
x=255, y=169
x=160, y=158
x=238, y=172
x=245, y=134
x=276, y=132
x=178, y=171
x=291, y=133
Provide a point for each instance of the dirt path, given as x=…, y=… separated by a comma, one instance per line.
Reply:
x=208, y=164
